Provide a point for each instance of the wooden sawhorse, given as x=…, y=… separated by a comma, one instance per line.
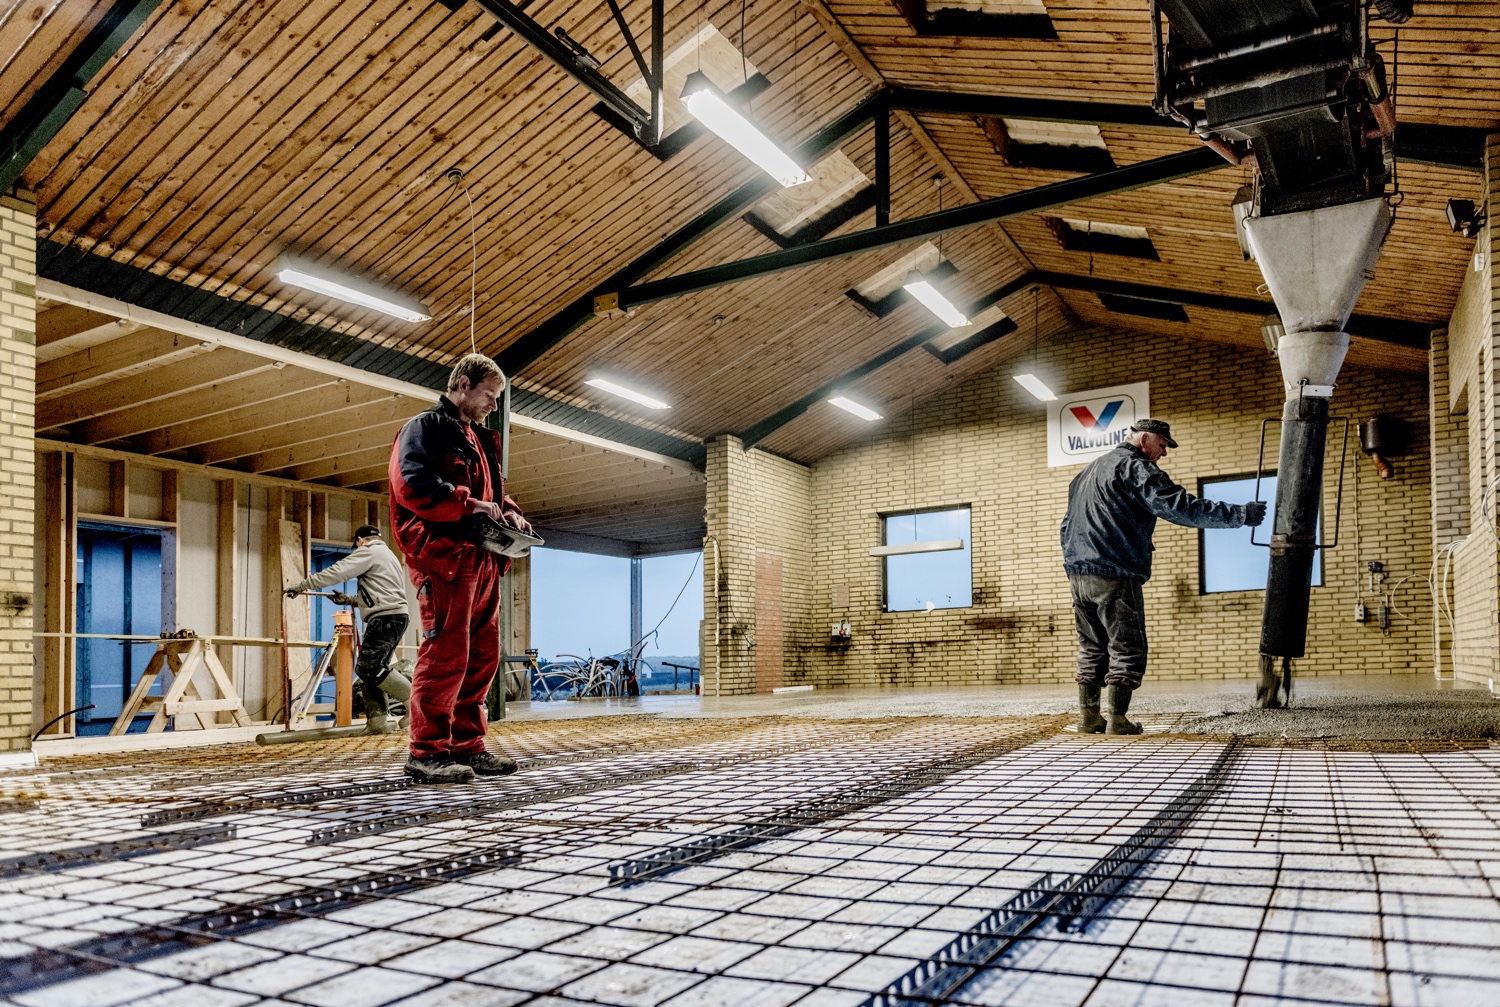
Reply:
x=182, y=656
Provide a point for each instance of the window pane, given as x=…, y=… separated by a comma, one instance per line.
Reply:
x=580, y=603
x=941, y=579
x=1231, y=562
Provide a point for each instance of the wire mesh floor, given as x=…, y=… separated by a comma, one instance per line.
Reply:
x=760, y=861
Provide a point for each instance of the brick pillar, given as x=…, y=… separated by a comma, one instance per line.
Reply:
x=17, y=463
x=728, y=665
x=1448, y=434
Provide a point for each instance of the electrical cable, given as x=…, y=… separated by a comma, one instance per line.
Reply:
x=680, y=591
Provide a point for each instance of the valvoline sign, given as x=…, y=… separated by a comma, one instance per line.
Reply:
x=1084, y=425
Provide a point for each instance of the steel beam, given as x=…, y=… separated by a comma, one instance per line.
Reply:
x=1095, y=113
x=1399, y=331
x=54, y=103
x=1046, y=197
x=529, y=348
x=1459, y=147
x=771, y=424
x=572, y=63
x=1387, y=330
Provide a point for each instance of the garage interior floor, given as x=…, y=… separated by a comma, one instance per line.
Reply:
x=811, y=849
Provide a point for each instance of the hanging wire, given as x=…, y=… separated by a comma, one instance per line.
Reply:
x=744, y=71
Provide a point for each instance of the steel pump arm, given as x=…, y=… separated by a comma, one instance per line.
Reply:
x=576, y=61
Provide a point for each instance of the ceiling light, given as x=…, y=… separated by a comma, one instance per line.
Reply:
x=605, y=385
x=1036, y=386
x=907, y=548
x=349, y=288
x=922, y=289
x=850, y=406
x=709, y=107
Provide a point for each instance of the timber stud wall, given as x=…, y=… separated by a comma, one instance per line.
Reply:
x=17, y=461
x=983, y=444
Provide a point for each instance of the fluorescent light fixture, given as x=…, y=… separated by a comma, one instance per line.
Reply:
x=922, y=289
x=605, y=385
x=709, y=107
x=850, y=406
x=908, y=548
x=1035, y=386
x=349, y=288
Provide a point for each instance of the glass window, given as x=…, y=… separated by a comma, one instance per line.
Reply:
x=928, y=580
x=1231, y=562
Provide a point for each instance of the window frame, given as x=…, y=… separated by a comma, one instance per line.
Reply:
x=885, y=567
x=1203, y=483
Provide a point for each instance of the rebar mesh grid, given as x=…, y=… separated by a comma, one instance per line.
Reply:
x=1308, y=876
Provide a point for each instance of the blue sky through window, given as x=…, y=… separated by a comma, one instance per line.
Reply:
x=580, y=603
x=1231, y=562
x=943, y=579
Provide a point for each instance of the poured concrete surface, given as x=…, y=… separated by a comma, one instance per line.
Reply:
x=1309, y=875
x=1429, y=716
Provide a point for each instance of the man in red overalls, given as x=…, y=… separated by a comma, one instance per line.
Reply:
x=445, y=472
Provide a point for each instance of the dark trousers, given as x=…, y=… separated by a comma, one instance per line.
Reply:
x=459, y=656
x=1111, y=618
x=382, y=636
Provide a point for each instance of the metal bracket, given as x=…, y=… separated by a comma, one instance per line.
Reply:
x=1338, y=504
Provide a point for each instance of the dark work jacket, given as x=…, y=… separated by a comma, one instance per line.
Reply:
x=1113, y=505
x=436, y=477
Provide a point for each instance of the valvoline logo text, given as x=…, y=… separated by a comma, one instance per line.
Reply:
x=1090, y=425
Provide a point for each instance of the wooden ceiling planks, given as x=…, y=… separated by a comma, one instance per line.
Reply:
x=224, y=134
x=498, y=110
x=35, y=40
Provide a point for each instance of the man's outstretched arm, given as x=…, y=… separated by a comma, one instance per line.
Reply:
x=1171, y=502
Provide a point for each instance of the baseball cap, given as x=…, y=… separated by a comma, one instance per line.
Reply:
x=1160, y=428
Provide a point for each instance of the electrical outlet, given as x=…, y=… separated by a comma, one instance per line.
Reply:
x=1360, y=612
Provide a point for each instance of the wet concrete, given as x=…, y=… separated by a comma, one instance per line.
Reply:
x=1424, y=716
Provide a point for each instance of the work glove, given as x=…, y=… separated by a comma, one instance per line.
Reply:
x=292, y=592
x=340, y=598
x=1255, y=512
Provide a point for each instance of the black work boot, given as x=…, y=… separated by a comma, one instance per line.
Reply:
x=1119, y=705
x=487, y=764
x=1089, y=720
x=437, y=770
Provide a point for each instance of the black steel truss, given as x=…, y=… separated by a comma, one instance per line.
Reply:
x=1045, y=197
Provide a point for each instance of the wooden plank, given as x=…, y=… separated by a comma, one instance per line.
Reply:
x=227, y=575
x=228, y=392
x=203, y=372
x=121, y=358
x=292, y=563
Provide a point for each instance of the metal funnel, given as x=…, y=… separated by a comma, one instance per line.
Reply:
x=1316, y=263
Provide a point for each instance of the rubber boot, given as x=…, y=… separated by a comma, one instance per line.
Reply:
x=377, y=719
x=398, y=687
x=1089, y=720
x=1119, y=705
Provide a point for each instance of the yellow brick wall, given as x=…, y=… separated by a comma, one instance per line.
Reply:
x=17, y=468
x=758, y=505
x=984, y=444
x=1471, y=359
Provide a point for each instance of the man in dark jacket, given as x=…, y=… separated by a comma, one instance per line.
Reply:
x=1113, y=505
x=445, y=476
